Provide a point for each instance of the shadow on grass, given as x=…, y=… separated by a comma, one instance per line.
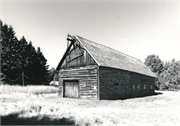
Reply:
x=143, y=95
x=134, y=95
x=13, y=119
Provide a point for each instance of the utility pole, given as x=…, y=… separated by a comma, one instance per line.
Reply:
x=23, y=78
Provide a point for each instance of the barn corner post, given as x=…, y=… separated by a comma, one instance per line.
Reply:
x=98, y=88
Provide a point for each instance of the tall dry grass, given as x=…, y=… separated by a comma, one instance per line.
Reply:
x=162, y=109
x=35, y=90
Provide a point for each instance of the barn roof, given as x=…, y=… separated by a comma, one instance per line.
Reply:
x=108, y=57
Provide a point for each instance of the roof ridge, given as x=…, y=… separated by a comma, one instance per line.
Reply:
x=110, y=48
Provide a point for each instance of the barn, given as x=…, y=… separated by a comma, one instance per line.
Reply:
x=91, y=70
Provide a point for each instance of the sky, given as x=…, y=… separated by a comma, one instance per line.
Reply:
x=135, y=27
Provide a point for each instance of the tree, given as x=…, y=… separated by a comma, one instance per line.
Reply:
x=19, y=56
x=164, y=79
x=8, y=54
x=168, y=73
x=41, y=69
x=52, y=72
x=154, y=63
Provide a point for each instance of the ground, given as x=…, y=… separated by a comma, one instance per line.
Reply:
x=41, y=105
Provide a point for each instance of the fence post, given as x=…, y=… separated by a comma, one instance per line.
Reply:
x=23, y=78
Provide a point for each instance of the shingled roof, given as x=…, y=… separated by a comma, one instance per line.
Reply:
x=108, y=57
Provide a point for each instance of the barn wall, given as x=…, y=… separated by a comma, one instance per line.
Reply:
x=149, y=82
x=119, y=84
x=87, y=77
x=113, y=83
x=141, y=84
x=136, y=86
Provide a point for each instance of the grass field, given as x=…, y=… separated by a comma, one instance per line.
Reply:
x=40, y=105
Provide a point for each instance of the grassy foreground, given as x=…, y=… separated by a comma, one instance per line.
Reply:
x=40, y=105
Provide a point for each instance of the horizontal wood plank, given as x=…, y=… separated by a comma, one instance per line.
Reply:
x=86, y=76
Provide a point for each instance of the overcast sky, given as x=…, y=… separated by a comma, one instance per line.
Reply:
x=136, y=27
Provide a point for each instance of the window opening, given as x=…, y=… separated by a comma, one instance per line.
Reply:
x=144, y=86
x=151, y=87
x=137, y=86
x=133, y=86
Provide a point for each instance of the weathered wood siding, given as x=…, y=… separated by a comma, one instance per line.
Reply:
x=113, y=83
x=77, y=56
x=87, y=79
x=149, y=83
x=141, y=84
x=119, y=84
x=136, y=86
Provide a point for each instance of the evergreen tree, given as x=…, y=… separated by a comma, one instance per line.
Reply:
x=39, y=63
x=19, y=56
x=9, y=65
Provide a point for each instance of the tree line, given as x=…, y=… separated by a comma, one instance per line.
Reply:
x=167, y=72
x=20, y=58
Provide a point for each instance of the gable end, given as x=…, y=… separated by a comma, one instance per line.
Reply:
x=76, y=55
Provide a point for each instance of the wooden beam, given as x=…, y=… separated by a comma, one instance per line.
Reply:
x=74, y=58
x=69, y=39
x=64, y=56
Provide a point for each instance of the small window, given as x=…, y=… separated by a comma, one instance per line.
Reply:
x=137, y=86
x=151, y=87
x=133, y=86
x=144, y=86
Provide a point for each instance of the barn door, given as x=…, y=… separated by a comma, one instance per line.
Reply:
x=71, y=89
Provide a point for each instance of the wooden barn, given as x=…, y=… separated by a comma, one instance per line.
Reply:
x=91, y=70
